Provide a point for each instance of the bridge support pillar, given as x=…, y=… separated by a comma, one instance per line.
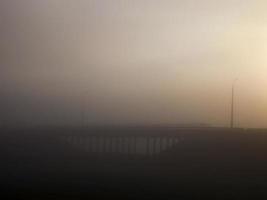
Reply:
x=148, y=146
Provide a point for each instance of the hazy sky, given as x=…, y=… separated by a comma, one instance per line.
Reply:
x=131, y=62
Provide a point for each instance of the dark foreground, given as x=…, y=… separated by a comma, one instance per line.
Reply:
x=208, y=164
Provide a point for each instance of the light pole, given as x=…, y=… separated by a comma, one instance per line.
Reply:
x=232, y=104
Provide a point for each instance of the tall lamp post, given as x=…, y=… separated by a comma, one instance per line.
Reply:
x=232, y=104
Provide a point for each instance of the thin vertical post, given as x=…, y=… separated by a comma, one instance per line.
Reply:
x=232, y=108
x=232, y=104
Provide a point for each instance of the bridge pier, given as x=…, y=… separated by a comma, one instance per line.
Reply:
x=147, y=146
x=160, y=144
x=110, y=144
x=134, y=144
x=154, y=145
x=129, y=145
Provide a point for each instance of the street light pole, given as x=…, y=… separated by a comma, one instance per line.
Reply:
x=232, y=104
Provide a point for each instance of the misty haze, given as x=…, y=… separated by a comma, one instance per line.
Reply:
x=134, y=99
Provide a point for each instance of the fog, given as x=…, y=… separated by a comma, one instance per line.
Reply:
x=91, y=62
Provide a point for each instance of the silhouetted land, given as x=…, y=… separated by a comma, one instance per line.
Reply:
x=205, y=163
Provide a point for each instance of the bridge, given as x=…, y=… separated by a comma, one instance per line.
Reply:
x=122, y=144
x=124, y=141
x=162, y=161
